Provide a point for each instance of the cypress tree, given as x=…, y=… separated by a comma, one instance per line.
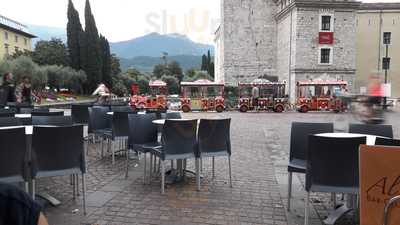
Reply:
x=74, y=29
x=93, y=57
x=204, y=63
x=106, y=59
x=208, y=61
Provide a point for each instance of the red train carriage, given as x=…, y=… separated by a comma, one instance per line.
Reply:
x=202, y=95
x=156, y=100
x=320, y=96
x=270, y=96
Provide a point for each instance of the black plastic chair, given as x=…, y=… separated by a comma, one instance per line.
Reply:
x=125, y=108
x=14, y=162
x=178, y=141
x=214, y=140
x=25, y=109
x=52, y=120
x=298, y=148
x=173, y=115
x=99, y=124
x=80, y=113
x=58, y=113
x=143, y=135
x=58, y=151
x=387, y=141
x=10, y=122
x=119, y=131
x=7, y=114
x=332, y=166
x=372, y=129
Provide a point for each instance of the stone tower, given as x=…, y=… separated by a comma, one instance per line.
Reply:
x=292, y=39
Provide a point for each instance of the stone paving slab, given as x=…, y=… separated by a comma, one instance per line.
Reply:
x=260, y=145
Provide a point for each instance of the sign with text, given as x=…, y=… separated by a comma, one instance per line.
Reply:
x=379, y=182
x=325, y=38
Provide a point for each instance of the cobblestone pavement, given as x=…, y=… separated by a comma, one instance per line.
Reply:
x=260, y=145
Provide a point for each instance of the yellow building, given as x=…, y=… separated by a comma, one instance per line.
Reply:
x=13, y=36
x=375, y=23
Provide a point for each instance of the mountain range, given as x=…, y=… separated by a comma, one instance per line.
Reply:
x=143, y=52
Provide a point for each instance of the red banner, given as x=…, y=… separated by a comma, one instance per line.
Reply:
x=325, y=38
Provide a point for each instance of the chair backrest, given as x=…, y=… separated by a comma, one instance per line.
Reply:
x=7, y=114
x=387, y=141
x=10, y=121
x=57, y=149
x=120, y=124
x=13, y=157
x=42, y=109
x=125, y=108
x=299, y=137
x=98, y=118
x=179, y=137
x=58, y=113
x=142, y=130
x=80, y=113
x=333, y=162
x=52, y=120
x=173, y=115
x=214, y=136
x=25, y=110
x=372, y=129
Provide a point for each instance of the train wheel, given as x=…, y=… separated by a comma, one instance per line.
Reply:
x=304, y=109
x=185, y=109
x=243, y=108
x=219, y=108
x=279, y=109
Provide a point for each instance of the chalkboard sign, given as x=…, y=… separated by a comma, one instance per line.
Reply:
x=379, y=182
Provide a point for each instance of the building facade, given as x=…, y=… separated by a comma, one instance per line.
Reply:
x=14, y=36
x=376, y=22
x=298, y=40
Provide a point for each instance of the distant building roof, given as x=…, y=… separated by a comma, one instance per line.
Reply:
x=380, y=6
x=15, y=26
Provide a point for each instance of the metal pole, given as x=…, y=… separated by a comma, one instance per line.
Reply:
x=386, y=73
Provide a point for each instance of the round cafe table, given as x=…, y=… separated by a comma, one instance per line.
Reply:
x=370, y=138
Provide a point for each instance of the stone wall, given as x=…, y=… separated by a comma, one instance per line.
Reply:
x=249, y=39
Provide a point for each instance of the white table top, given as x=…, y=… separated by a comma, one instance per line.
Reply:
x=28, y=129
x=370, y=138
x=162, y=121
x=112, y=113
x=23, y=115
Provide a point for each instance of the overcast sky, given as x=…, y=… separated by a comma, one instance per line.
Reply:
x=121, y=20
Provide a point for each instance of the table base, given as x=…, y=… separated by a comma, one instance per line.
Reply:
x=336, y=214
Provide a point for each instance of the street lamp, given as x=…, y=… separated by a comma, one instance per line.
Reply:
x=386, y=62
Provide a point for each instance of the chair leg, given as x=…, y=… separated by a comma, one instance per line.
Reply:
x=33, y=189
x=289, y=190
x=162, y=177
x=102, y=147
x=144, y=172
x=84, y=193
x=172, y=164
x=77, y=184
x=201, y=165
x=307, y=209
x=127, y=164
x=73, y=186
x=197, y=174
x=111, y=147
x=333, y=198
x=213, y=167
x=151, y=168
x=230, y=171
x=26, y=187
